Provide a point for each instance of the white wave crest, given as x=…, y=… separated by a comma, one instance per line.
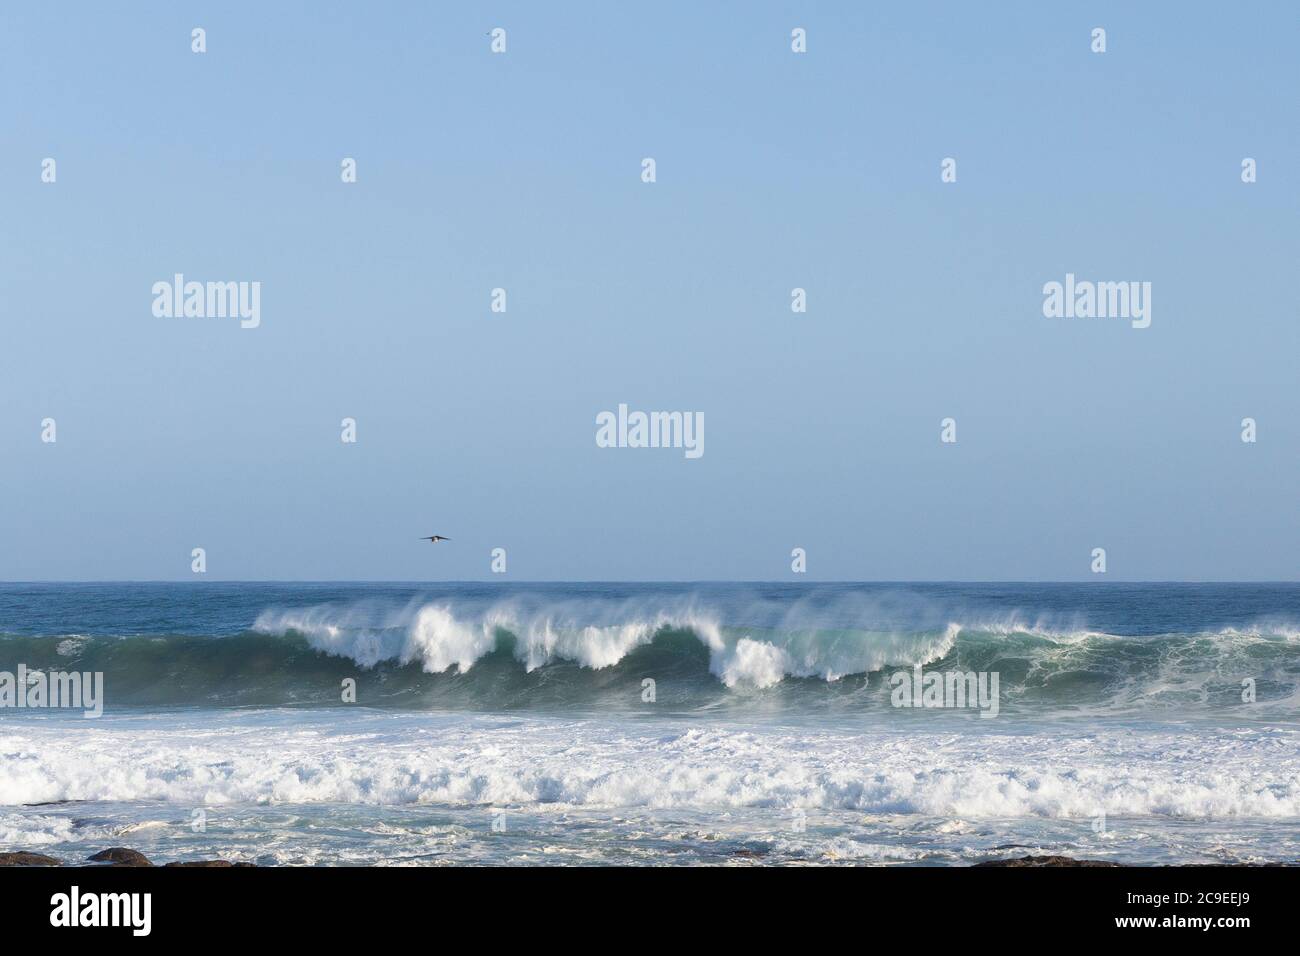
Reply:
x=438, y=641
x=436, y=638
x=752, y=662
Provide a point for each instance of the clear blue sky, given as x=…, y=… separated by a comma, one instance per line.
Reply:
x=775, y=170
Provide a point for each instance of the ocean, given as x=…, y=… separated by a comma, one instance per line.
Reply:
x=713, y=723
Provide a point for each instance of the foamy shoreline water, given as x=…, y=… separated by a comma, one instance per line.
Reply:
x=747, y=783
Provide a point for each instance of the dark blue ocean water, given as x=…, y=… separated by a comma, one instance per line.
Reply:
x=221, y=609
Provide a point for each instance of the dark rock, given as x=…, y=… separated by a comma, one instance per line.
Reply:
x=23, y=858
x=219, y=863
x=120, y=856
x=1046, y=861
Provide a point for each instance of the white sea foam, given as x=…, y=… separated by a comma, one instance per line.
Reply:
x=39, y=829
x=359, y=757
x=71, y=646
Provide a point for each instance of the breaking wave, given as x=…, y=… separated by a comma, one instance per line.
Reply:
x=600, y=653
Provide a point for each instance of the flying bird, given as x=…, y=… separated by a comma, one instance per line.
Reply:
x=435, y=538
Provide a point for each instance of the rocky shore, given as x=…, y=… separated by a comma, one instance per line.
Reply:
x=113, y=856
x=124, y=856
x=1046, y=861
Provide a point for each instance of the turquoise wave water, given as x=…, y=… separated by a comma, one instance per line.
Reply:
x=437, y=660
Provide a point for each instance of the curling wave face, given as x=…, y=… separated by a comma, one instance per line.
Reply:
x=581, y=647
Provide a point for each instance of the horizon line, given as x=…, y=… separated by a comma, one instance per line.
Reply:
x=479, y=581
